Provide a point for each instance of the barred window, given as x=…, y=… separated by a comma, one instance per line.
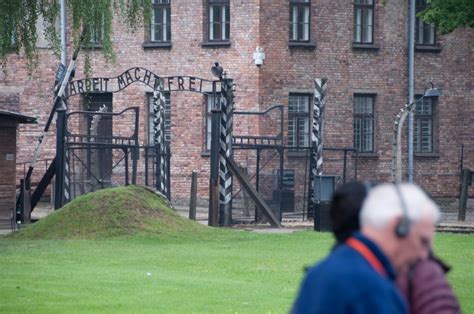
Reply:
x=298, y=120
x=423, y=136
x=161, y=21
x=96, y=34
x=219, y=20
x=299, y=20
x=363, y=116
x=363, y=21
x=425, y=34
x=208, y=121
x=151, y=115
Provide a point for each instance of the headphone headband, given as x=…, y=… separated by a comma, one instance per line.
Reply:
x=403, y=227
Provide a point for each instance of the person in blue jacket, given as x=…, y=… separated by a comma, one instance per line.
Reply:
x=397, y=227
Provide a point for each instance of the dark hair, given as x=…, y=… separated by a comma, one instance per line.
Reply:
x=345, y=207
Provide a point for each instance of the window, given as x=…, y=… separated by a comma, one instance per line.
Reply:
x=299, y=20
x=425, y=34
x=363, y=21
x=219, y=20
x=161, y=21
x=298, y=120
x=208, y=121
x=423, y=137
x=363, y=112
x=96, y=35
x=9, y=30
x=151, y=131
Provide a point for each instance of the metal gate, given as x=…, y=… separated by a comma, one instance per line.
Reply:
x=95, y=159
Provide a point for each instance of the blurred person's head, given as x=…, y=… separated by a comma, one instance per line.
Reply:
x=401, y=220
x=344, y=210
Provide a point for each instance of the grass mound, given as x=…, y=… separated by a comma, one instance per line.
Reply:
x=110, y=213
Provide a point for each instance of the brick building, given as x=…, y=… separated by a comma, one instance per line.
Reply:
x=361, y=47
x=9, y=121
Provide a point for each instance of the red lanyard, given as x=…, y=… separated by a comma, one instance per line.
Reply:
x=367, y=254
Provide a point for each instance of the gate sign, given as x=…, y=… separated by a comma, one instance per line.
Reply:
x=137, y=74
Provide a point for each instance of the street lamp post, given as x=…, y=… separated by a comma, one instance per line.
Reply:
x=398, y=126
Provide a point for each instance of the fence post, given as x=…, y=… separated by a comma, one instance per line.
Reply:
x=463, y=196
x=192, y=202
x=60, y=164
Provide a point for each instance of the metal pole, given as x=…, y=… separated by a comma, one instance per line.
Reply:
x=126, y=152
x=146, y=166
x=59, y=182
x=411, y=80
x=258, y=215
x=63, y=33
x=344, y=167
x=213, y=219
x=192, y=202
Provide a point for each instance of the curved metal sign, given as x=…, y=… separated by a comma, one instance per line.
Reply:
x=138, y=74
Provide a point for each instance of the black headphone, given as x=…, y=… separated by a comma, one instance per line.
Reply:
x=403, y=227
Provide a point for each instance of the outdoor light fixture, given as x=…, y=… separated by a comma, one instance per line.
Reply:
x=431, y=92
x=217, y=70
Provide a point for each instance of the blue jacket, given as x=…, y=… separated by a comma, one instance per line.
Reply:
x=345, y=282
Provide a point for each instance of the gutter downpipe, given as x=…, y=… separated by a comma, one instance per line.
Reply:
x=63, y=33
x=411, y=79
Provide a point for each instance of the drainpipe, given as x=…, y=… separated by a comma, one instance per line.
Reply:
x=411, y=79
x=63, y=32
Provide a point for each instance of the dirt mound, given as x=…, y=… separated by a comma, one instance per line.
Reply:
x=110, y=213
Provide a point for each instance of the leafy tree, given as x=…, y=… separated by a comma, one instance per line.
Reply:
x=448, y=15
x=18, y=18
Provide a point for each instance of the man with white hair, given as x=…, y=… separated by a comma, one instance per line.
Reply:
x=397, y=229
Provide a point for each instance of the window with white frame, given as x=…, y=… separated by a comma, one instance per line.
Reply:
x=299, y=20
x=161, y=21
x=425, y=34
x=363, y=21
x=151, y=115
x=298, y=120
x=219, y=20
x=423, y=137
x=363, y=122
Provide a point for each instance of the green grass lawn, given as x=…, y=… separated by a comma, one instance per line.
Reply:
x=220, y=271
x=124, y=250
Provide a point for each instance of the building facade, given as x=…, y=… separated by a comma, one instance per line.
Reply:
x=274, y=50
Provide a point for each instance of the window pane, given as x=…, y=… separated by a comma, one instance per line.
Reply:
x=298, y=120
x=358, y=25
x=161, y=21
x=369, y=26
x=209, y=106
x=424, y=33
x=292, y=132
x=294, y=23
x=219, y=22
x=306, y=24
x=211, y=22
x=363, y=21
x=208, y=132
x=223, y=25
x=424, y=134
x=299, y=21
x=363, y=123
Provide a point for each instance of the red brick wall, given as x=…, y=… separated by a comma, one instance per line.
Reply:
x=264, y=23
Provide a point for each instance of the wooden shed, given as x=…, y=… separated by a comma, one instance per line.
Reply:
x=9, y=121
